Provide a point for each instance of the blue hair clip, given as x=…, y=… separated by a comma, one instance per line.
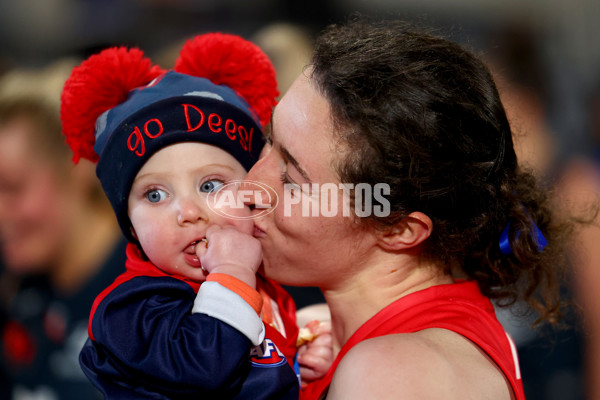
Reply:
x=504, y=243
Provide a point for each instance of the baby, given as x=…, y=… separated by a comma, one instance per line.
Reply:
x=190, y=317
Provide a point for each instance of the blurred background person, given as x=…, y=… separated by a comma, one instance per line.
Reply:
x=513, y=54
x=59, y=242
x=579, y=189
x=551, y=359
x=289, y=47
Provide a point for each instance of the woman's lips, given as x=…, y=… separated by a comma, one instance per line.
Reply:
x=258, y=232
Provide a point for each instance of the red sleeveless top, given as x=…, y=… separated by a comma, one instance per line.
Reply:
x=459, y=307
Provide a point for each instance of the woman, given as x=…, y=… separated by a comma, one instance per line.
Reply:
x=408, y=282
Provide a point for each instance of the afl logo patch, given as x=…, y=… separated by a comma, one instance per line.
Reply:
x=267, y=355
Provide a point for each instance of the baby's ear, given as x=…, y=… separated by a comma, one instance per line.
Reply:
x=408, y=233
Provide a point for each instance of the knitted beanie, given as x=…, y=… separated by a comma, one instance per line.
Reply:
x=117, y=109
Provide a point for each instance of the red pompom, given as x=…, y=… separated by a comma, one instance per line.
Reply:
x=100, y=83
x=230, y=60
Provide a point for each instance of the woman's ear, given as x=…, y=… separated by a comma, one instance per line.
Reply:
x=408, y=233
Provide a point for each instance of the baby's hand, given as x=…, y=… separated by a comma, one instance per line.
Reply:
x=315, y=352
x=231, y=252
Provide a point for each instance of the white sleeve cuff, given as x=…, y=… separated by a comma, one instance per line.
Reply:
x=217, y=301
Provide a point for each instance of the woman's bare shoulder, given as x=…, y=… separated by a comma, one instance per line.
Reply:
x=433, y=363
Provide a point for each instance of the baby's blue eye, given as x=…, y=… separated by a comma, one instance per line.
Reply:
x=156, y=195
x=211, y=185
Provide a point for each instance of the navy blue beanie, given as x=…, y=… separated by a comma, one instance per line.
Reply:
x=174, y=108
x=170, y=107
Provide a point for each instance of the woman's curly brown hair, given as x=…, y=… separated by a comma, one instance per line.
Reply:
x=422, y=114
